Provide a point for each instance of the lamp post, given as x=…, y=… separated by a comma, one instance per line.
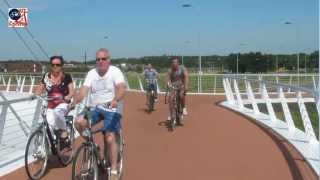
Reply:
x=185, y=44
x=200, y=65
x=297, y=43
x=241, y=44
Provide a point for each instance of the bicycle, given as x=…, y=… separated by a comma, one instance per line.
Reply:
x=176, y=119
x=41, y=143
x=151, y=94
x=92, y=161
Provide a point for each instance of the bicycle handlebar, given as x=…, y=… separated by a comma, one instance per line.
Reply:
x=49, y=98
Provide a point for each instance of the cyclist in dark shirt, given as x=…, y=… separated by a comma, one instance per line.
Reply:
x=178, y=77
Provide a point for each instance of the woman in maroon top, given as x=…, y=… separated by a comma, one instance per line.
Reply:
x=58, y=84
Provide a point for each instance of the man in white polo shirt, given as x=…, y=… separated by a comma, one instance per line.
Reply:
x=106, y=86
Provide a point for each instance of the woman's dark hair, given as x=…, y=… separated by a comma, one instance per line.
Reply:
x=175, y=57
x=57, y=57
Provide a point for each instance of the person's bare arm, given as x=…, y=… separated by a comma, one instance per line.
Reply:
x=71, y=92
x=78, y=97
x=168, y=78
x=39, y=89
x=119, y=94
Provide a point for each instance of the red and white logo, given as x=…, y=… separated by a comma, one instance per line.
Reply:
x=18, y=17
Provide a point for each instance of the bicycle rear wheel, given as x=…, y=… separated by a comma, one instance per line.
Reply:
x=36, y=155
x=85, y=165
x=65, y=150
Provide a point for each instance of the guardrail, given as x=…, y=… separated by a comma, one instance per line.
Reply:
x=213, y=83
x=292, y=112
x=199, y=83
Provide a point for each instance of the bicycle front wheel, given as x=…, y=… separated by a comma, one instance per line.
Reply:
x=151, y=102
x=36, y=155
x=85, y=165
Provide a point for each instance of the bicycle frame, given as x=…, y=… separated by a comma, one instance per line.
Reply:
x=176, y=103
x=46, y=129
x=93, y=146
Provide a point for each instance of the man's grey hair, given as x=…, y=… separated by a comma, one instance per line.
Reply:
x=103, y=50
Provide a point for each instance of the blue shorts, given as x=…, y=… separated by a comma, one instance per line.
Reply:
x=151, y=87
x=111, y=119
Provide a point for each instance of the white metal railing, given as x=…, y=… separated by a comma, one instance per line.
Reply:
x=199, y=83
x=18, y=116
x=273, y=110
x=213, y=83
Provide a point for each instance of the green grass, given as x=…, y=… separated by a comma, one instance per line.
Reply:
x=295, y=113
x=133, y=80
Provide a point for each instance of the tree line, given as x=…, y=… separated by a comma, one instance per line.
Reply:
x=252, y=62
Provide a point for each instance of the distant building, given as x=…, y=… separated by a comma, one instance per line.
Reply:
x=69, y=65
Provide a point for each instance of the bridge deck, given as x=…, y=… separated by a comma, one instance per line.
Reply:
x=213, y=144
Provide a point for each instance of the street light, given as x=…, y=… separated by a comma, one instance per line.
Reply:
x=241, y=44
x=297, y=43
x=200, y=66
x=185, y=44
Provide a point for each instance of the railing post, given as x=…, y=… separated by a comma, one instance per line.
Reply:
x=32, y=84
x=215, y=85
x=158, y=87
x=8, y=85
x=251, y=97
x=286, y=110
x=227, y=91
x=238, y=95
x=75, y=83
x=228, y=83
x=314, y=83
x=200, y=78
x=198, y=83
x=290, y=83
x=3, y=81
x=18, y=78
x=3, y=116
x=22, y=84
x=265, y=96
x=140, y=84
x=260, y=85
x=79, y=84
x=305, y=119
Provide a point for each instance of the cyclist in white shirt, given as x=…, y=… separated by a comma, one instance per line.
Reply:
x=107, y=86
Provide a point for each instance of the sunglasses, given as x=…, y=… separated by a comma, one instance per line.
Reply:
x=102, y=59
x=56, y=65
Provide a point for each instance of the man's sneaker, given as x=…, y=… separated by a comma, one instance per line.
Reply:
x=155, y=99
x=169, y=118
x=114, y=175
x=184, y=111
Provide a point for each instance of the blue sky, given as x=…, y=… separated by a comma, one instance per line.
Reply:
x=156, y=27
